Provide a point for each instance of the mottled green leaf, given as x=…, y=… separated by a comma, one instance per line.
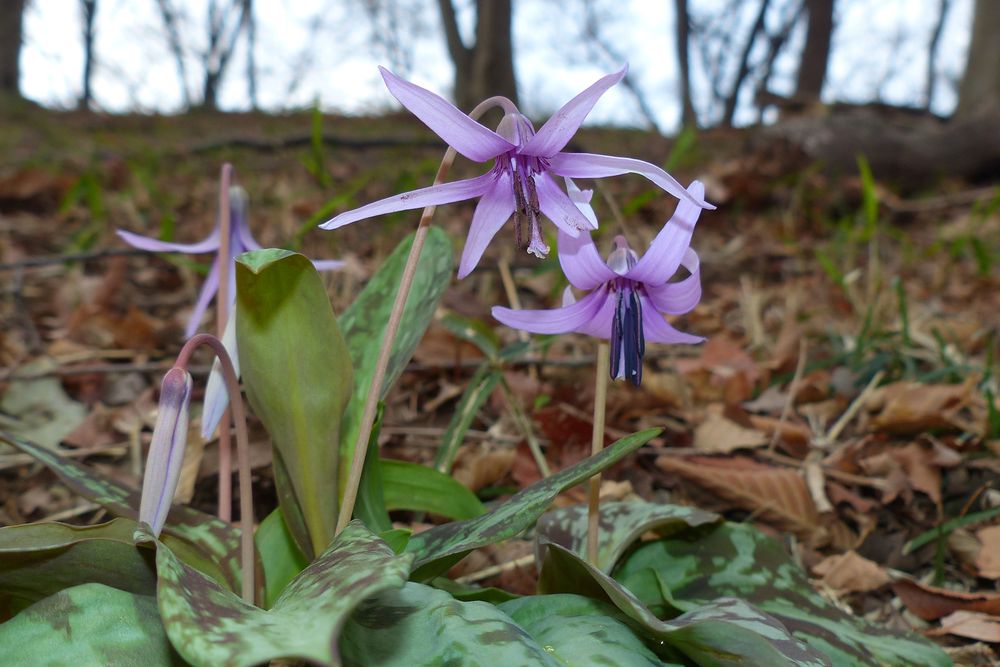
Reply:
x=211, y=626
x=580, y=632
x=279, y=555
x=482, y=384
x=217, y=540
x=364, y=323
x=370, y=503
x=411, y=486
x=472, y=593
x=90, y=624
x=620, y=525
x=420, y=625
x=297, y=374
x=737, y=560
x=724, y=632
x=438, y=547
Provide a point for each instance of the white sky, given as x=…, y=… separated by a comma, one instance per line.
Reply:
x=879, y=52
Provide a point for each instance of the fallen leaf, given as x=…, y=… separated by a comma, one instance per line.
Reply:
x=721, y=435
x=930, y=603
x=851, y=573
x=777, y=495
x=482, y=464
x=971, y=625
x=913, y=407
x=988, y=560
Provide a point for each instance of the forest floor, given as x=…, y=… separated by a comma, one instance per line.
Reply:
x=844, y=402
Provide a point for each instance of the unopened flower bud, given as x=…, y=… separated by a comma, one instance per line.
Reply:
x=166, y=453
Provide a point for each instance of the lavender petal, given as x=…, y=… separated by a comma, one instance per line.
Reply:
x=556, y=320
x=670, y=246
x=657, y=330
x=581, y=262
x=681, y=296
x=209, y=244
x=553, y=136
x=474, y=141
x=557, y=207
x=491, y=213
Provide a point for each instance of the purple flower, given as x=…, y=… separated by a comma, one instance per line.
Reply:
x=520, y=182
x=240, y=241
x=629, y=295
x=166, y=452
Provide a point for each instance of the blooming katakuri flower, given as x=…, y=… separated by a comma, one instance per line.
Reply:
x=629, y=295
x=240, y=241
x=520, y=182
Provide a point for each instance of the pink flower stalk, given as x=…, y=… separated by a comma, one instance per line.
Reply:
x=240, y=241
x=520, y=182
x=629, y=295
x=166, y=452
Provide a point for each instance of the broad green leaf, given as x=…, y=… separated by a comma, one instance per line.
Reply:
x=280, y=556
x=370, y=503
x=620, y=525
x=297, y=374
x=438, y=548
x=90, y=624
x=210, y=626
x=471, y=593
x=476, y=394
x=364, y=323
x=725, y=632
x=411, y=486
x=579, y=632
x=218, y=541
x=420, y=625
x=738, y=560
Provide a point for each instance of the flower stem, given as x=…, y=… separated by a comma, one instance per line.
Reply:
x=350, y=495
x=225, y=506
x=242, y=452
x=596, y=445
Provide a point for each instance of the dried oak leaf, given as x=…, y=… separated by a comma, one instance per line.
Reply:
x=971, y=625
x=851, y=573
x=777, y=495
x=912, y=407
x=988, y=559
x=930, y=603
x=720, y=435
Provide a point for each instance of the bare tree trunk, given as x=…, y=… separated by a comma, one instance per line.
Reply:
x=932, y=50
x=816, y=54
x=169, y=16
x=744, y=67
x=980, y=90
x=689, y=117
x=10, y=47
x=487, y=67
x=220, y=47
x=89, y=15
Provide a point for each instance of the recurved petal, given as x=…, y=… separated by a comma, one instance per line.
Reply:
x=582, y=200
x=682, y=296
x=492, y=212
x=443, y=193
x=599, y=326
x=670, y=246
x=210, y=244
x=557, y=207
x=591, y=165
x=554, y=321
x=208, y=291
x=327, y=264
x=560, y=128
x=581, y=262
x=656, y=329
x=465, y=135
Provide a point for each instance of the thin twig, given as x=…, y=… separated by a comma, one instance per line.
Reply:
x=529, y=434
x=494, y=570
x=793, y=389
x=225, y=481
x=834, y=433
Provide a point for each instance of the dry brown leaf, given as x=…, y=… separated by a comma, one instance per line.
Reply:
x=905, y=468
x=971, y=625
x=913, y=407
x=851, y=573
x=777, y=495
x=793, y=434
x=988, y=560
x=482, y=464
x=720, y=435
x=930, y=603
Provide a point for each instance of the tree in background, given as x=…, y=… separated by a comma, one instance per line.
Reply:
x=979, y=93
x=89, y=8
x=485, y=68
x=10, y=47
x=816, y=54
x=682, y=23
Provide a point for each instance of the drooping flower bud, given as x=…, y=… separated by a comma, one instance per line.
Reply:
x=166, y=453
